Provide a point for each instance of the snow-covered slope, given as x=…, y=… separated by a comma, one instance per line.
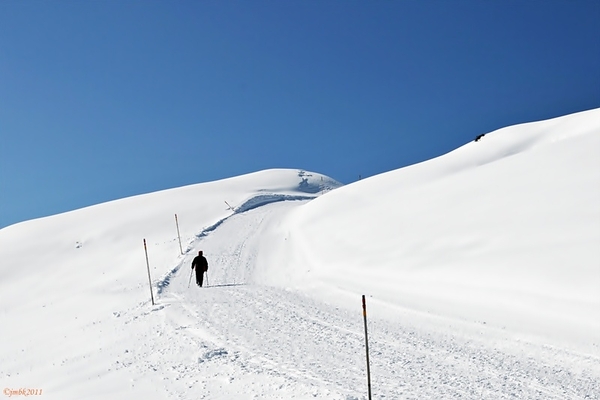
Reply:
x=504, y=231
x=482, y=269
x=61, y=274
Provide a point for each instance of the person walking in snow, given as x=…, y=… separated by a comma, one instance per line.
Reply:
x=201, y=265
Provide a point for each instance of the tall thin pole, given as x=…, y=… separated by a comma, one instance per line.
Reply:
x=178, y=235
x=364, y=305
x=148, y=266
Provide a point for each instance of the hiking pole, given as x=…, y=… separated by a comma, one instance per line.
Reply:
x=190, y=282
x=207, y=284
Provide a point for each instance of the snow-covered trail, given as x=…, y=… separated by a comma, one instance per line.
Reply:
x=240, y=339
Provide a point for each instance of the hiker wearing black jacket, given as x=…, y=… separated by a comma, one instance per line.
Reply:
x=201, y=265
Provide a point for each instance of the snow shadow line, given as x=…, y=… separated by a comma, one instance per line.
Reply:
x=264, y=199
x=162, y=284
x=250, y=204
x=227, y=285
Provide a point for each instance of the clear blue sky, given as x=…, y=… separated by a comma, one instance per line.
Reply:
x=101, y=100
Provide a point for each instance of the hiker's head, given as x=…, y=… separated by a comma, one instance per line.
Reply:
x=200, y=253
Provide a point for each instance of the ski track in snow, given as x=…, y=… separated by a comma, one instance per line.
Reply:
x=244, y=340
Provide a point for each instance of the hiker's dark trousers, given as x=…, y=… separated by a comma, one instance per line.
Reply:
x=199, y=276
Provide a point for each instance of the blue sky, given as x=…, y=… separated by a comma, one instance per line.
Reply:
x=101, y=100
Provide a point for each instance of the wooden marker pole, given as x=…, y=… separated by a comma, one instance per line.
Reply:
x=178, y=235
x=364, y=305
x=148, y=266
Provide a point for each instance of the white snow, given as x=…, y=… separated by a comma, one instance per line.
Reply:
x=481, y=269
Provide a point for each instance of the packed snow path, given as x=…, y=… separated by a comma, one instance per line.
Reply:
x=239, y=339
